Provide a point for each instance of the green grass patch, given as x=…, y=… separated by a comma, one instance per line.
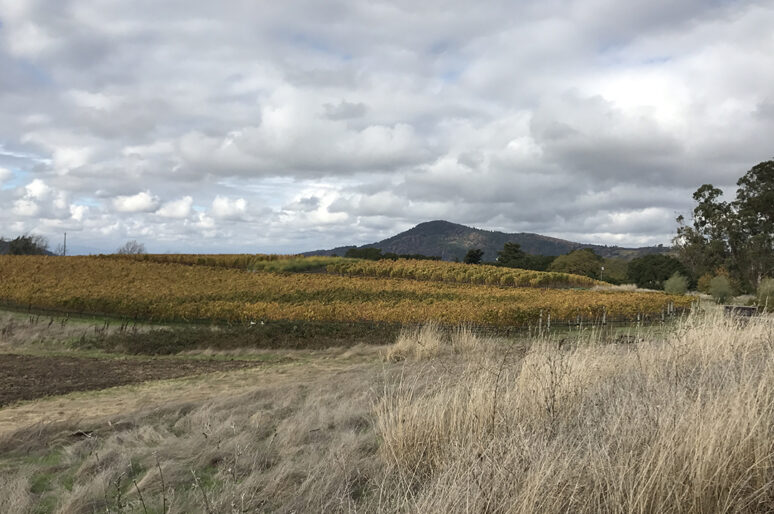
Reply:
x=268, y=335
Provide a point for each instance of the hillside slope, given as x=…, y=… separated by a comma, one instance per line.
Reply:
x=451, y=241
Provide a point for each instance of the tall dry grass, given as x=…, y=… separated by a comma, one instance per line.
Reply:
x=681, y=425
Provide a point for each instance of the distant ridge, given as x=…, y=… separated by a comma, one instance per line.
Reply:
x=451, y=241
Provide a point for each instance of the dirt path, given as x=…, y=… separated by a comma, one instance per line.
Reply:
x=26, y=377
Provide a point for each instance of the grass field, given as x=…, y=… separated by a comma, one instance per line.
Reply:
x=438, y=421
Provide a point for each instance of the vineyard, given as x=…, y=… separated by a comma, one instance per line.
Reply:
x=425, y=270
x=176, y=292
x=438, y=271
x=252, y=262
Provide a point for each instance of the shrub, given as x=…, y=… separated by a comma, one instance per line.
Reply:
x=720, y=289
x=766, y=294
x=677, y=284
x=703, y=283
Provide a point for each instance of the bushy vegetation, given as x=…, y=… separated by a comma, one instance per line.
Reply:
x=677, y=284
x=703, y=284
x=765, y=295
x=721, y=289
x=25, y=245
x=579, y=262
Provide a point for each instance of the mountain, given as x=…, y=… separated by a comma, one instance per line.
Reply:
x=451, y=241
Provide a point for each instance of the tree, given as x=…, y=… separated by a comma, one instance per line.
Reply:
x=752, y=237
x=651, y=271
x=474, y=256
x=28, y=245
x=131, y=248
x=615, y=271
x=512, y=256
x=738, y=235
x=703, y=247
x=579, y=262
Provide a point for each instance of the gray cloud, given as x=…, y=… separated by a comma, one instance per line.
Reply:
x=201, y=126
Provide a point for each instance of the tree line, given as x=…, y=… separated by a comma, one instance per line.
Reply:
x=726, y=248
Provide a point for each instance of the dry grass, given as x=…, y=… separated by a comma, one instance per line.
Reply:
x=304, y=444
x=460, y=423
x=683, y=425
x=431, y=341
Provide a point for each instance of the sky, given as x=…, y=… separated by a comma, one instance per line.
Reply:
x=280, y=127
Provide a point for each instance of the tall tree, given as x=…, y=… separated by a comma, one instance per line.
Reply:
x=737, y=235
x=512, y=256
x=753, y=240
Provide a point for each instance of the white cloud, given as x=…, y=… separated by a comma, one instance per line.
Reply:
x=177, y=208
x=5, y=174
x=226, y=208
x=39, y=200
x=140, y=202
x=37, y=190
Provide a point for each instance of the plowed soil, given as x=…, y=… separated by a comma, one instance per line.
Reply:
x=26, y=377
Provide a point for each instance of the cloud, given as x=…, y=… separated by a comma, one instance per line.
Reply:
x=226, y=208
x=176, y=208
x=344, y=110
x=140, y=202
x=39, y=200
x=171, y=123
x=287, y=143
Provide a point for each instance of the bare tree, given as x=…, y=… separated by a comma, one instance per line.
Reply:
x=131, y=248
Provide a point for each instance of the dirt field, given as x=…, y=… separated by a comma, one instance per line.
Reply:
x=25, y=377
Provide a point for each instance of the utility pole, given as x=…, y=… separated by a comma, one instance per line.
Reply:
x=64, y=247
